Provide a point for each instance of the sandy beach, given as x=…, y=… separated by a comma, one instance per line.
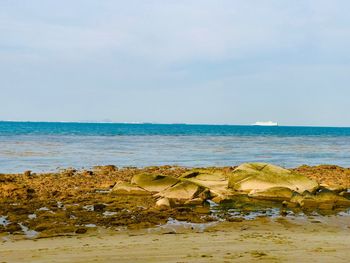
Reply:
x=263, y=240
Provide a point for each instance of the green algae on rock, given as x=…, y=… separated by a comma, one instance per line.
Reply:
x=216, y=181
x=154, y=183
x=262, y=176
x=325, y=199
x=185, y=190
x=128, y=189
x=273, y=193
x=55, y=203
x=164, y=202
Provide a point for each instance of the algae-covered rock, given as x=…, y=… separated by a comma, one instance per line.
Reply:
x=324, y=199
x=154, y=183
x=195, y=201
x=332, y=197
x=182, y=191
x=345, y=194
x=334, y=188
x=128, y=189
x=229, y=196
x=274, y=193
x=216, y=181
x=205, y=175
x=163, y=202
x=262, y=176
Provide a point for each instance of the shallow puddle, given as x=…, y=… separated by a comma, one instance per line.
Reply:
x=174, y=226
x=4, y=221
x=27, y=232
x=225, y=211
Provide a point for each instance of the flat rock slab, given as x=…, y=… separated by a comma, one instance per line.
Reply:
x=154, y=183
x=322, y=199
x=205, y=175
x=182, y=191
x=129, y=189
x=262, y=176
x=274, y=193
x=215, y=181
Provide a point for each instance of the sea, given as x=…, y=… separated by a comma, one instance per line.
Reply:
x=50, y=146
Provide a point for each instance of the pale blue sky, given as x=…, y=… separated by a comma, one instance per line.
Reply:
x=172, y=61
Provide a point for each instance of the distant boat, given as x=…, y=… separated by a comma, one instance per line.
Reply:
x=265, y=123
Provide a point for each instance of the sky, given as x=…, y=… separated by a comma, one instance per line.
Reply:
x=176, y=61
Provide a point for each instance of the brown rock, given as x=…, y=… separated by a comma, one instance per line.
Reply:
x=99, y=207
x=81, y=230
x=27, y=173
x=13, y=227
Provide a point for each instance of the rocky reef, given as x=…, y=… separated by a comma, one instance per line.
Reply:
x=249, y=182
x=73, y=202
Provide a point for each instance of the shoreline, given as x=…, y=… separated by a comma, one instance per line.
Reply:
x=263, y=239
x=44, y=216
x=82, y=197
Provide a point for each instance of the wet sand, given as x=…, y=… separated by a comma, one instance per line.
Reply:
x=263, y=240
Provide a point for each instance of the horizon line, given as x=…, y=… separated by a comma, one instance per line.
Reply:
x=164, y=123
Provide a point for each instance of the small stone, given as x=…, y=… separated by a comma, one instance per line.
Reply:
x=163, y=202
x=99, y=207
x=27, y=173
x=81, y=230
x=30, y=191
x=235, y=219
x=87, y=173
x=283, y=212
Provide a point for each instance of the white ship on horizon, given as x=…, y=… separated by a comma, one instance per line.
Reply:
x=265, y=123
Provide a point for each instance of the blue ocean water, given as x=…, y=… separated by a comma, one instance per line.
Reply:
x=42, y=146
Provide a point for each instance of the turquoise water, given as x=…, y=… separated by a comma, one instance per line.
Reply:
x=40, y=146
